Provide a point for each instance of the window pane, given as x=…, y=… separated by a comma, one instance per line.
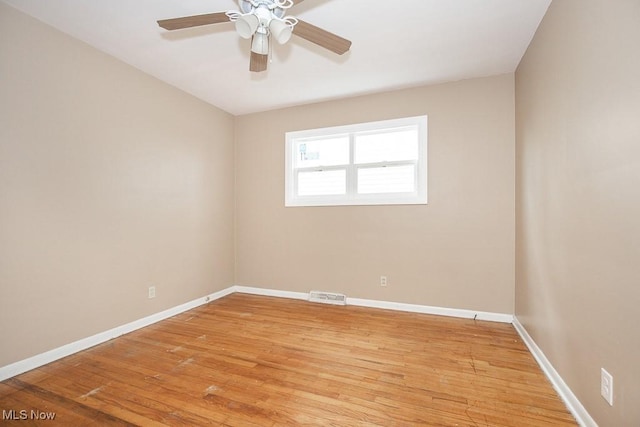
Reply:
x=318, y=183
x=331, y=151
x=391, y=179
x=387, y=146
x=377, y=163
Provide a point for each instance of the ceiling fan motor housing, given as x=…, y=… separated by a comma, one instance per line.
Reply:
x=277, y=8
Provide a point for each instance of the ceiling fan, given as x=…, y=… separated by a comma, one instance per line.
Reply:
x=260, y=20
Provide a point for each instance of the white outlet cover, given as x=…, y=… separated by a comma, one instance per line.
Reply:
x=606, y=386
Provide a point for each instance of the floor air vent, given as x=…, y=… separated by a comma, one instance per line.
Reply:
x=327, y=298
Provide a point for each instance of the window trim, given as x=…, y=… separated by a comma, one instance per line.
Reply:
x=351, y=198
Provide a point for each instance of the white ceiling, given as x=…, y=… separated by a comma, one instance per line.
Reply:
x=396, y=44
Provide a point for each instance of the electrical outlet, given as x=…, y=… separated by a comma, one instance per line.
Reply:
x=383, y=280
x=152, y=292
x=606, y=386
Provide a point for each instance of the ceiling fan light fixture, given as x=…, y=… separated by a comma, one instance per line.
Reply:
x=260, y=43
x=281, y=30
x=246, y=25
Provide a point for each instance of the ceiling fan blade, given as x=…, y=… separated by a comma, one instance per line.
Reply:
x=193, y=21
x=295, y=2
x=321, y=37
x=258, y=62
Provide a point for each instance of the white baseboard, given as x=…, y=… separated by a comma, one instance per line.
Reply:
x=573, y=404
x=85, y=343
x=397, y=306
x=270, y=292
x=427, y=309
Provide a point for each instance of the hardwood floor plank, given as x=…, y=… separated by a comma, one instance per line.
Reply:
x=31, y=397
x=259, y=361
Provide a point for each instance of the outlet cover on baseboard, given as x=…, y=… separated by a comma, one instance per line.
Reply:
x=606, y=386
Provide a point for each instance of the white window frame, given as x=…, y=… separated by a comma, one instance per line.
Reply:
x=419, y=196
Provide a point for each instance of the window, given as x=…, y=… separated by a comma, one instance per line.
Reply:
x=378, y=163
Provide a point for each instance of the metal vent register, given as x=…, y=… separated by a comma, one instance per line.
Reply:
x=327, y=298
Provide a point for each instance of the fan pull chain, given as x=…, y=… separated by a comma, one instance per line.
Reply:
x=270, y=51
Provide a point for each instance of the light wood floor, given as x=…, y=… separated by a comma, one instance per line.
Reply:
x=247, y=360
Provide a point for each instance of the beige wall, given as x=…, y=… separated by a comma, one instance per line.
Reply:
x=578, y=205
x=457, y=251
x=110, y=181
